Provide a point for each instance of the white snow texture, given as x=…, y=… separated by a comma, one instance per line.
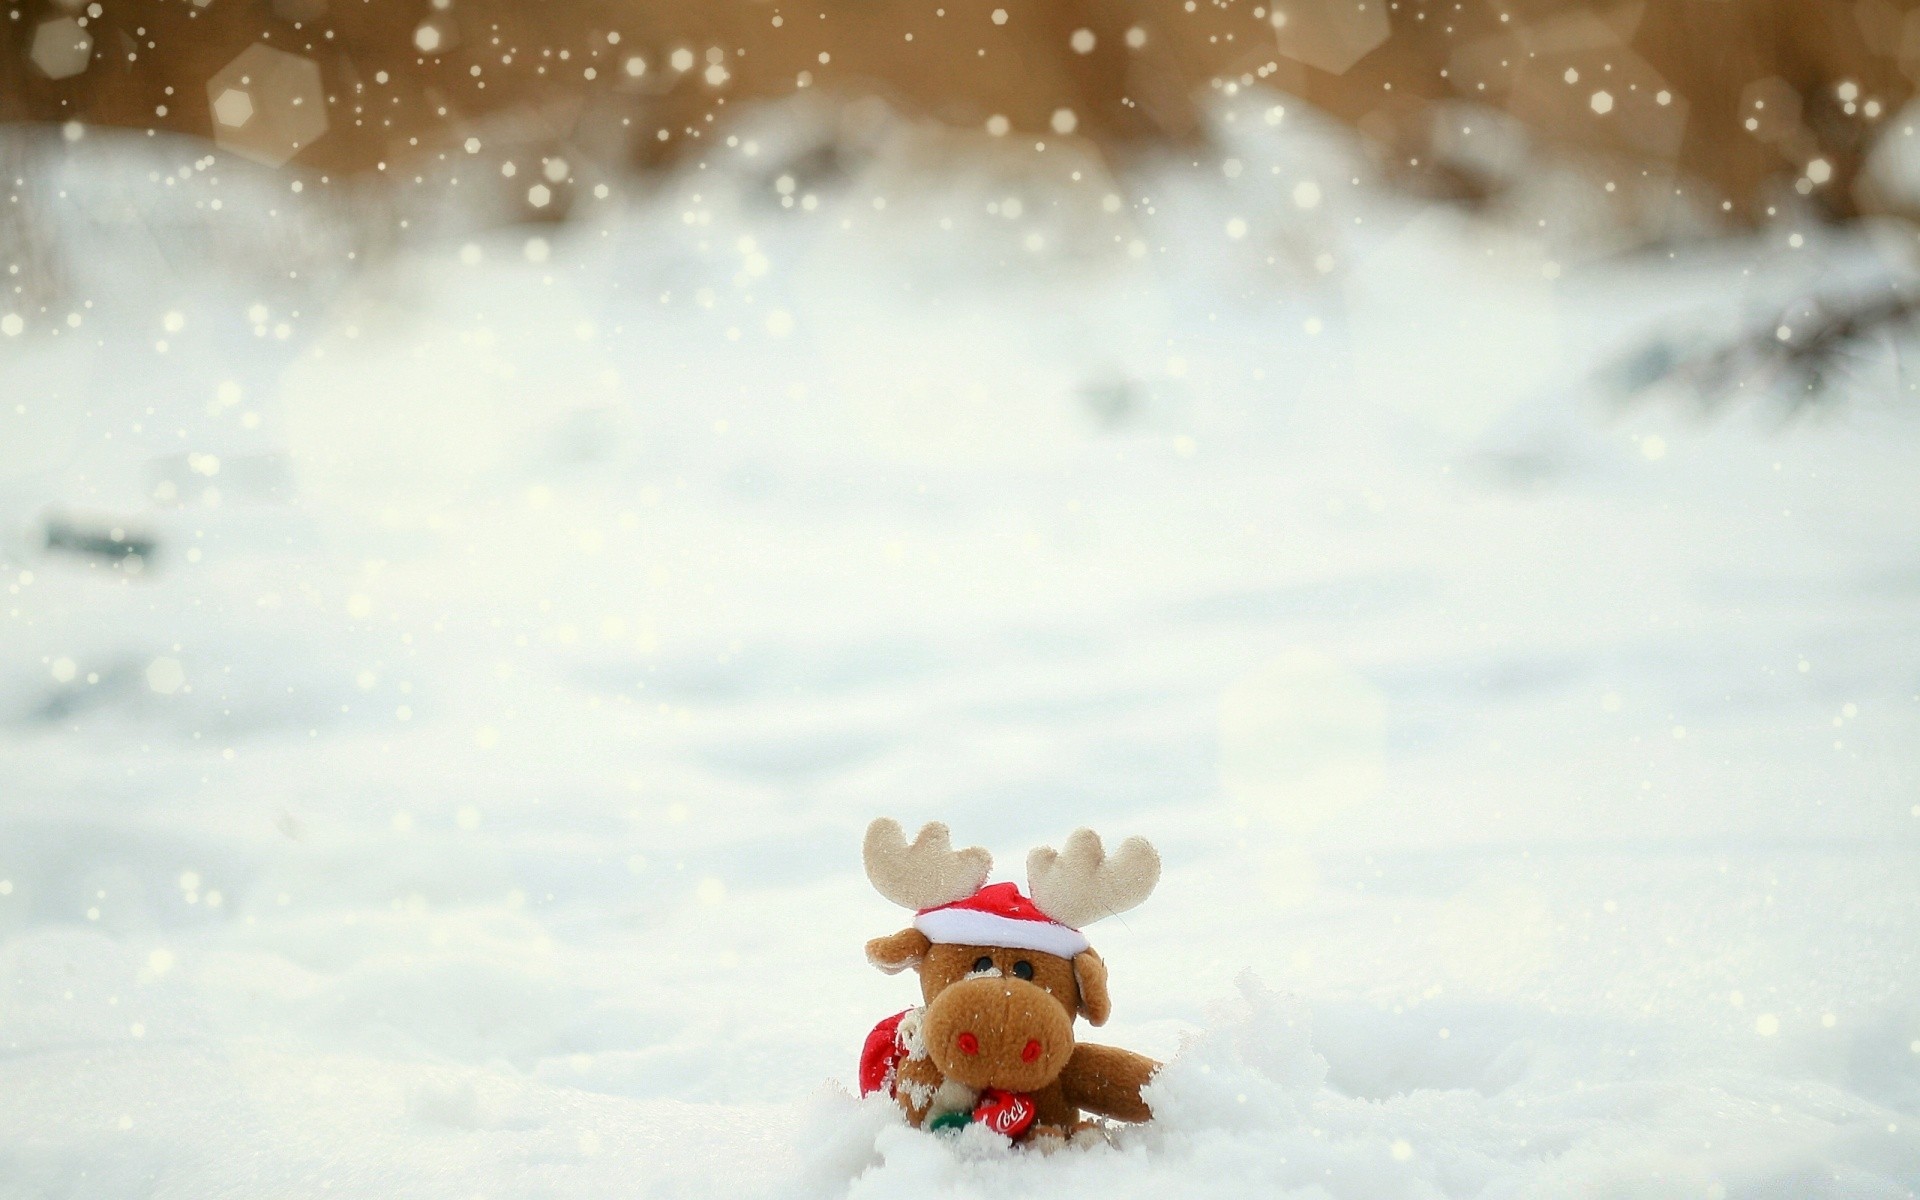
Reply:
x=466, y=797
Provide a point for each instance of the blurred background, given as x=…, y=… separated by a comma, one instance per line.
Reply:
x=495, y=495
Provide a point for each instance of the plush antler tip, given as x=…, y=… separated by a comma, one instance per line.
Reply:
x=926, y=873
x=1084, y=883
x=934, y=834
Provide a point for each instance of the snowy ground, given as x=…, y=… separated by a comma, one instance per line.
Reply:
x=465, y=799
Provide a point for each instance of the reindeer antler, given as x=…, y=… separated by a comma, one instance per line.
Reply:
x=926, y=874
x=1083, y=884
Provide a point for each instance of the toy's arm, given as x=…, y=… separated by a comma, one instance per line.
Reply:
x=1107, y=1080
x=916, y=1085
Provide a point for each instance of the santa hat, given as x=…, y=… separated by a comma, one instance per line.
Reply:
x=954, y=904
x=998, y=915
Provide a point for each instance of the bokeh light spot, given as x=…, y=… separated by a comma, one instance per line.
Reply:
x=1330, y=35
x=61, y=48
x=280, y=109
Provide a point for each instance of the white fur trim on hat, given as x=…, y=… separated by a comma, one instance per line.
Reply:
x=971, y=927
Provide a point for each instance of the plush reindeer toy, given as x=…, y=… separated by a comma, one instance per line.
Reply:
x=1003, y=976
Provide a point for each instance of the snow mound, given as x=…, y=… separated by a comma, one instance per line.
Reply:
x=462, y=797
x=1244, y=1110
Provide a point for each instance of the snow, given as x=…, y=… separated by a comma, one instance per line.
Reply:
x=466, y=798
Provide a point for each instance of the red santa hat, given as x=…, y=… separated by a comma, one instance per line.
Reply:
x=998, y=915
x=954, y=904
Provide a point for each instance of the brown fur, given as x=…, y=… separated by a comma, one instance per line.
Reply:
x=1005, y=1014
x=898, y=951
x=1090, y=977
x=1105, y=1080
x=918, y=1081
x=1022, y=1036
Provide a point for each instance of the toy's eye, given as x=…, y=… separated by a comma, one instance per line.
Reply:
x=1023, y=969
x=983, y=963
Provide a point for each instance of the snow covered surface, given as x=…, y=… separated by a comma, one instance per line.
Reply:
x=465, y=798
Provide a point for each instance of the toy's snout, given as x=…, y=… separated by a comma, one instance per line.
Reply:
x=1000, y=1032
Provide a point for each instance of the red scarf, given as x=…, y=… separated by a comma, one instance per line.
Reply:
x=1009, y=1114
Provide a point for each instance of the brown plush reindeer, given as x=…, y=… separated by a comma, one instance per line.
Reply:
x=1003, y=977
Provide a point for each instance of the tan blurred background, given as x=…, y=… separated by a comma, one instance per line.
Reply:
x=1739, y=104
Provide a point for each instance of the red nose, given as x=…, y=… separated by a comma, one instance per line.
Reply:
x=1030, y=1051
x=968, y=1043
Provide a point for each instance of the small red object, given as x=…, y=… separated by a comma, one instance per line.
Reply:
x=1030, y=1051
x=882, y=1055
x=1006, y=1113
x=968, y=1043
